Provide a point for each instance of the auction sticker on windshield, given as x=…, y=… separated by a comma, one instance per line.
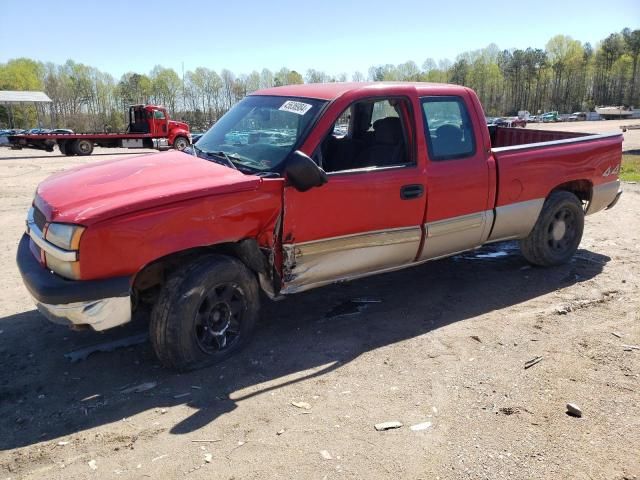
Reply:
x=292, y=106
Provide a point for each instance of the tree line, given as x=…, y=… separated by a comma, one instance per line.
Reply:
x=566, y=75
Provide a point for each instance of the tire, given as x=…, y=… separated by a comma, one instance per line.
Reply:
x=83, y=147
x=215, y=293
x=66, y=148
x=180, y=143
x=557, y=233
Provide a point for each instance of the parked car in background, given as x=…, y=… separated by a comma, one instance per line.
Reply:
x=37, y=131
x=516, y=122
x=497, y=121
x=196, y=136
x=549, y=117
x=577, y=117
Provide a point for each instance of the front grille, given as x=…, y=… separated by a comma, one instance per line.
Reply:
x=39, y=218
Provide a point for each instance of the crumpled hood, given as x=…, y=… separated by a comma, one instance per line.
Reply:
x=98, y=191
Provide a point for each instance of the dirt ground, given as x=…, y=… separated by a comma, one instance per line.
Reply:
x=443, y=345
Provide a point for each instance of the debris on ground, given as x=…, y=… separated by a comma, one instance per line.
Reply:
x=143, y=387
x=509, y=410
x=616, y=334
x=83, y=353
x=532, y=362
x=476, y=338
x=326, y=455
x=628, y=348
x=387, y=425
x=91, y=397
x=208, y=457
x=420, y=426
x=280, y=432
x=62, y=444
x=351, y=307
x=159, y=458
x=92, y=465
x=574, y=410
x=303, y=405
x=207, y=441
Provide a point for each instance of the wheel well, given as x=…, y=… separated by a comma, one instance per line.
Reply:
x=582, y=189
x=149, y=280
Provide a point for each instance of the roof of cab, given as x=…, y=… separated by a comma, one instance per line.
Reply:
x=331, y=91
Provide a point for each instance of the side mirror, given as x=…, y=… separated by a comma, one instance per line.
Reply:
x=303, y=173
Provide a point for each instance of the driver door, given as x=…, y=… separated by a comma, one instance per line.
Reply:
x=368, y=217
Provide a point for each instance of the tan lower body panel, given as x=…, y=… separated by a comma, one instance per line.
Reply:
x=320, y=262
x=516, y=220
x=602, y=196
x=454, y=235
x=317, y=263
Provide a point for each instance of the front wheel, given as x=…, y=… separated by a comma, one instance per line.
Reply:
x=557, y=232
x=180, y=143
x=205, y=313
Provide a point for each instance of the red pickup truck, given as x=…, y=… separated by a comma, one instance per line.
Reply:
x=297, y=187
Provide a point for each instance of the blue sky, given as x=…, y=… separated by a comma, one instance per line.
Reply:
x=335, y=36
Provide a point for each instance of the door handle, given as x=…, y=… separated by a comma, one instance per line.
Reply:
x=409, y=192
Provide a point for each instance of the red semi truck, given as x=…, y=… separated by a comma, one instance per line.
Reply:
x=294, y=188
x=149, y=127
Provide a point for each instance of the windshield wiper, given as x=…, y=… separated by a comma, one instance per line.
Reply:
x=223, y=158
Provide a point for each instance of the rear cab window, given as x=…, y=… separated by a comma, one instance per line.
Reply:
x=448, y=128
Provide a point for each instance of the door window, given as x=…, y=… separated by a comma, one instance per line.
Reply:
x=447, y=128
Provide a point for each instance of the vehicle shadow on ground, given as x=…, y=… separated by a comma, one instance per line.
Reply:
x=43, y=396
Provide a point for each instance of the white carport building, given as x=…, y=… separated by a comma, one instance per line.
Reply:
x=10, y=98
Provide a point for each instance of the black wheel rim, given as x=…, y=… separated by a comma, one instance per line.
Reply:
x=562, y=232
x=219, y=318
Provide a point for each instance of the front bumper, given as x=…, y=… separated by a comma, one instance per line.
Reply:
x=100, y=304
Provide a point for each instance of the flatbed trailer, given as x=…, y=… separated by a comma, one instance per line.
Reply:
x=149, y=127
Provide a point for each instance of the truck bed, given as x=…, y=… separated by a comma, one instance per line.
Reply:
x=510, y=137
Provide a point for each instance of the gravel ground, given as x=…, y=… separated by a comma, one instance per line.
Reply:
x=443, y=345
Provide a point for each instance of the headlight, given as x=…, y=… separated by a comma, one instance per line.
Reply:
x=64, y=236
x=67, y=237
x=63, y=268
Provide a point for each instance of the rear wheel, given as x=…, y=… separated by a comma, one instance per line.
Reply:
x=66, y=148
x=180, y=143
x=83, y=147
x=205, y=313
x=557, y=232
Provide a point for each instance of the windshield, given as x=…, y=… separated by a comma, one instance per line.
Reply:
x=260, y=131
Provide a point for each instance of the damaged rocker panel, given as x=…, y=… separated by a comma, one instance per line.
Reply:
x=319, y=262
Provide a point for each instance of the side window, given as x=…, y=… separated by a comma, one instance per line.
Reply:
x=158, y=114
x=367, y=134
x=381, y=110
x=341, y=126
x=447, y=128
